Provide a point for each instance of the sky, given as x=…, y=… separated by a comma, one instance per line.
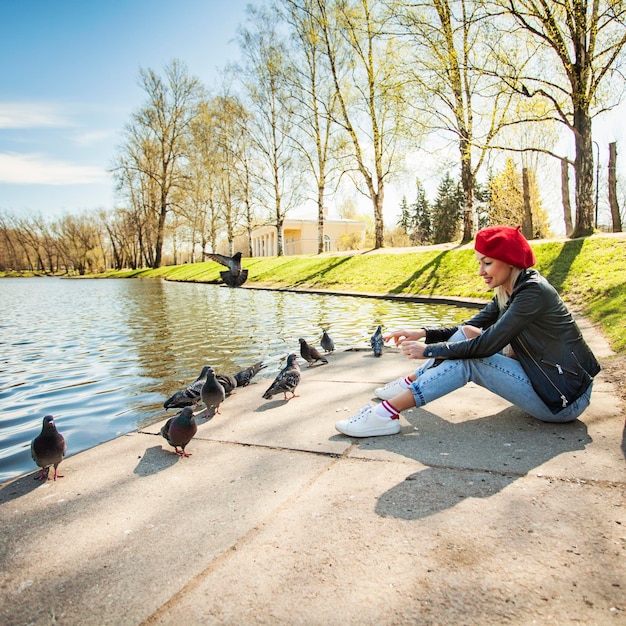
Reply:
x=69, y=83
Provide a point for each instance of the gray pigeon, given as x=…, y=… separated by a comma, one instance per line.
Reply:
x=310, y=354
x=190, y=396
x=233, y=263
x=287, y=379
x=235, y=276
x=228, y=382
x=327, y=343
x=212, y=393
x=48, y=449
x=180, y=430
x=244, y=376
x=377, y=341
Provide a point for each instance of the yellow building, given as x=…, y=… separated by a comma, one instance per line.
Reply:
x=300, y=236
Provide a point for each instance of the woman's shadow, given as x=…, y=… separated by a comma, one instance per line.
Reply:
x=471, y=459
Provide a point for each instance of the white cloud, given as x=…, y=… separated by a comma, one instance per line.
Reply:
x=30, y=115
x=34, y=169
x=89, y=138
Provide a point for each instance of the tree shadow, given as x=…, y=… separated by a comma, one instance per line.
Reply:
x=431, y=268
x=471, y=459
x=558, y=271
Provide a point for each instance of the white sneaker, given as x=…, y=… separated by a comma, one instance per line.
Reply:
x=367, y=424
x=390, y=390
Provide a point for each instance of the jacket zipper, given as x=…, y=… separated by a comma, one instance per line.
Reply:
x=559, y=369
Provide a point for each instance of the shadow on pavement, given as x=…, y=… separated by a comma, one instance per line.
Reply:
x=471, y=459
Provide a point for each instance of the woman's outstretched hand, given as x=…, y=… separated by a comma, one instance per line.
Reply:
x=401, y=335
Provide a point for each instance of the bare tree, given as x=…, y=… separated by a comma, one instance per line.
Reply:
x=363, y=64
x=276, y=172
x=156, y=141
x=578, y=53
x=317, y=100
x=455, y=65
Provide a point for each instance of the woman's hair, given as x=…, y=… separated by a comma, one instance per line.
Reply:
x=502, y=296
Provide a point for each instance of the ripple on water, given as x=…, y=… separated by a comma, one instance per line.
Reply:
x=104, y=354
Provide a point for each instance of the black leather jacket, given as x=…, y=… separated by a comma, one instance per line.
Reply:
x=546, y=340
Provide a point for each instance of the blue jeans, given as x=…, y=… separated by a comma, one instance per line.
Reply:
x=500, y=374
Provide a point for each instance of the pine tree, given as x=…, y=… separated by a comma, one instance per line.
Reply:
x=447, y=211
x=422, y=233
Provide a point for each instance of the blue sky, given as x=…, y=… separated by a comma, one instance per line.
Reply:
x=68, y=84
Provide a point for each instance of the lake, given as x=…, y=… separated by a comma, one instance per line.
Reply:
x=102, y=355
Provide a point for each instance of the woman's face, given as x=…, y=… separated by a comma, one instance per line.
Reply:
x=494, y=272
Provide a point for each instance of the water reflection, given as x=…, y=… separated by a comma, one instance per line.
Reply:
x=103, y=355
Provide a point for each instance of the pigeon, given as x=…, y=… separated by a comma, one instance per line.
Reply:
x=377, y=341
x=190, y=396
x=228, y=382
x=235, y=276
x=212, y=393
x=233, y=263
x=244, y=376
x=48, y=449
x=327, y=343
x=310, y=354
x=180, y=430
x=287, y=379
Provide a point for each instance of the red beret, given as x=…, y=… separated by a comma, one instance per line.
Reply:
x=506, y=244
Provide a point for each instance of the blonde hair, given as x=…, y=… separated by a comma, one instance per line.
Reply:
x=502, y=297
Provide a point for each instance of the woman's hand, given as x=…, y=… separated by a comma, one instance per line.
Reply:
x=413, y=349
x=402, y=335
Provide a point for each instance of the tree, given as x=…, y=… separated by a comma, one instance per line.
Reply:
x=507, y=204
x=446, y=210
x=370, y=97
x=582, y=43
x=276, y=172
x=156, y=144
x=455, y=65
x=317, y=101
x=415, y=218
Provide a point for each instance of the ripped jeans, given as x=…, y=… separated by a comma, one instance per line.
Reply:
x=499, y=374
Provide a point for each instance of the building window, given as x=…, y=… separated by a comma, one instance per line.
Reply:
x=326, y=243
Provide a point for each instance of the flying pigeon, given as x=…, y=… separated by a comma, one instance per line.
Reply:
x=287, y=379
x=235, y=276
x=377, y=341
x=180, y=430
x=212, y=393
x=244, y=376
x=48, y=449
x=228, y=382
x=310, y=354
x=327, y=343
x=190, y=396
x=233, y=263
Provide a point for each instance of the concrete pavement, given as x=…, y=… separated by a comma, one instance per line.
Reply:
x=474, y=514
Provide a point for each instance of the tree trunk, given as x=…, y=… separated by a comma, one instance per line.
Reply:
x=467, y=183
x=584, y=173
x=616, y=218
x=379, y=230
x=527, y=224
x=567, y=205
x=320, y=219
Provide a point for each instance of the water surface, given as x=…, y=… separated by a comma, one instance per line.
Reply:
x=102, y=355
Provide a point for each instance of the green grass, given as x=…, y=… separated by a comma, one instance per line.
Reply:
x=589, y=273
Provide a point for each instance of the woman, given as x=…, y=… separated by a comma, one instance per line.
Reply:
x=524, y=346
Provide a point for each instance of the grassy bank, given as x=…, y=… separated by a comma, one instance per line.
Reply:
x=589, y=273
